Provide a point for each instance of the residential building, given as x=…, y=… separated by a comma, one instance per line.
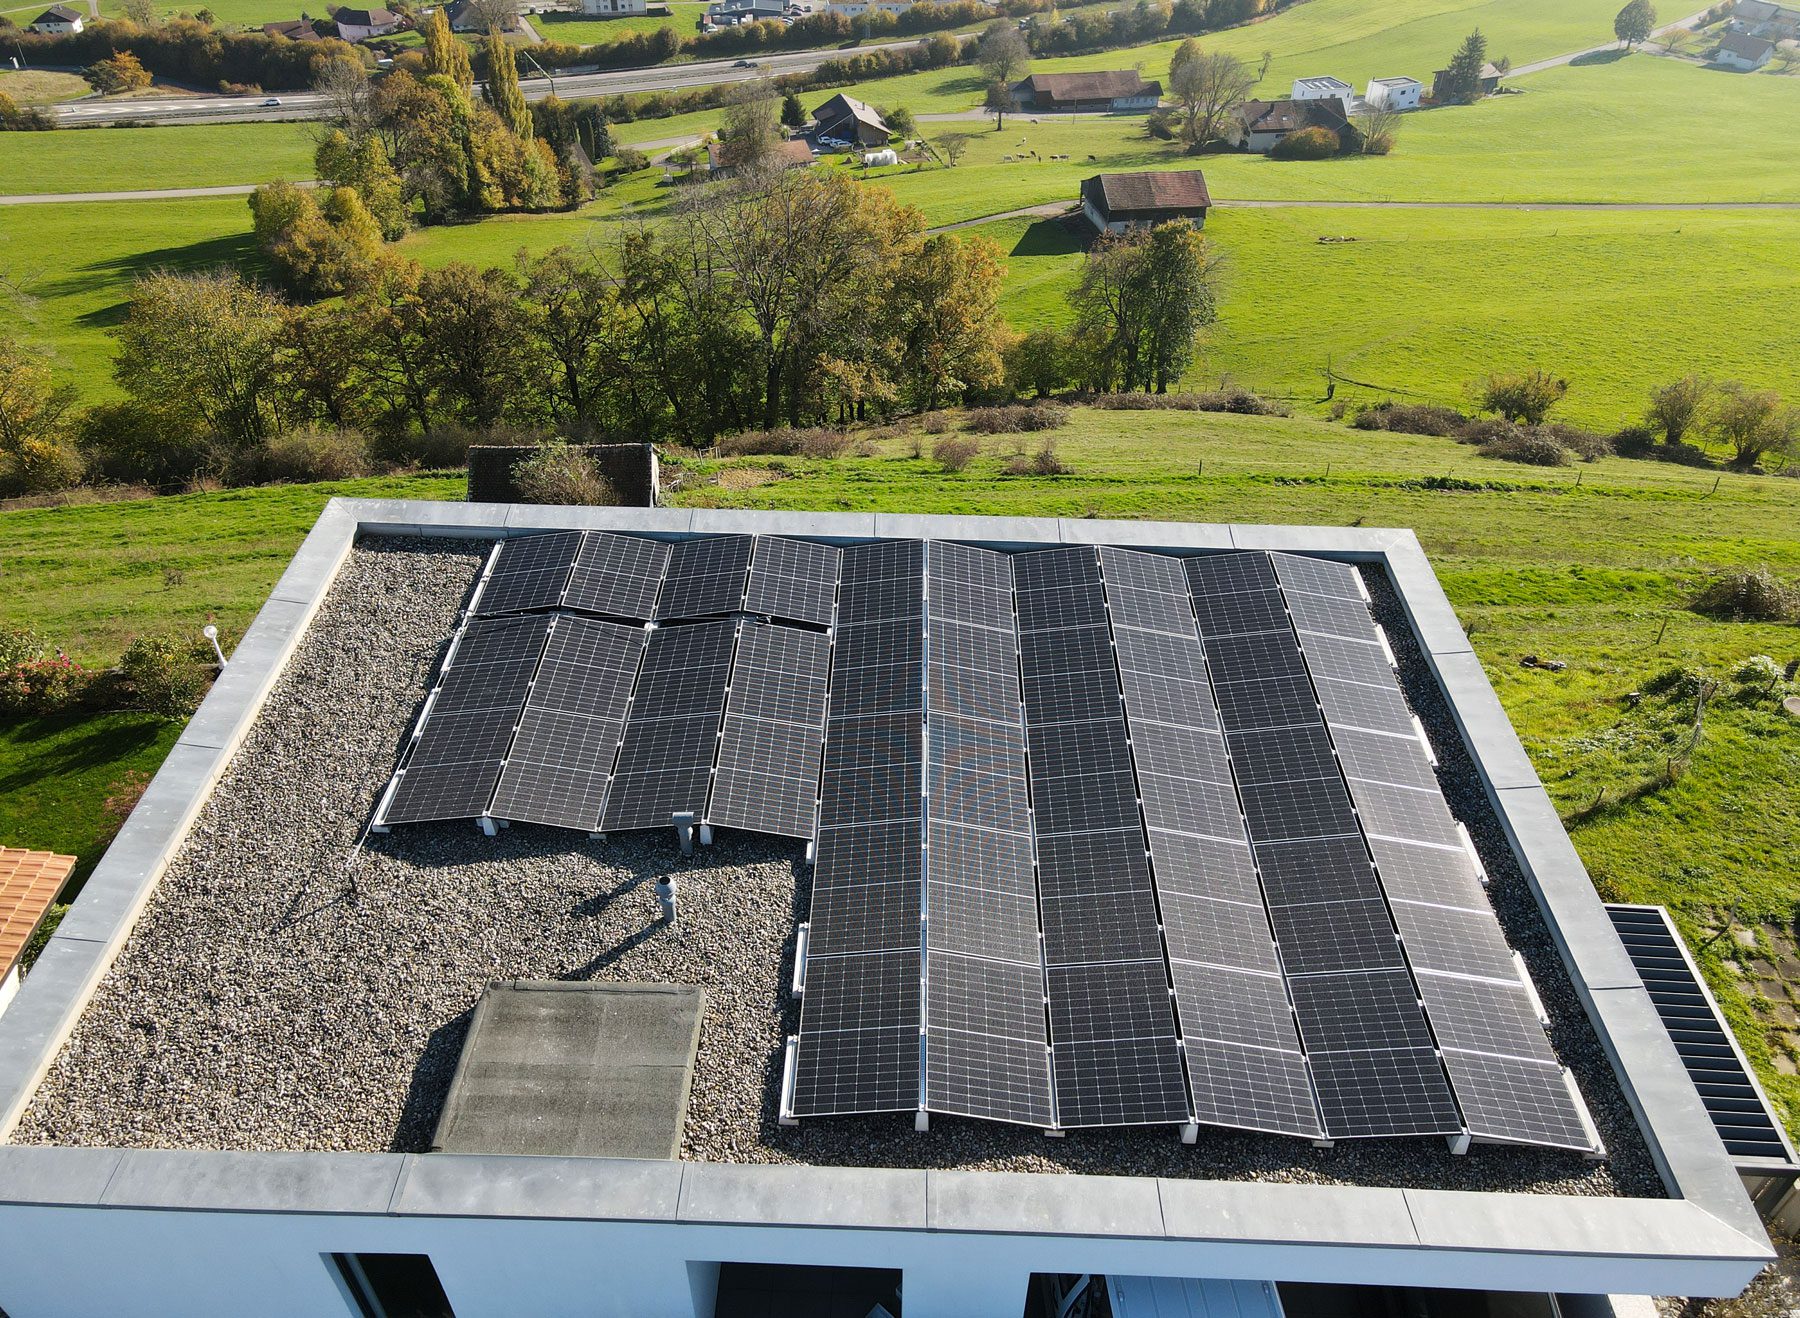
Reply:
x=1116, y=202
x=1486, y=85
x=296, y=29
x=791, y=154
x=1394, y=93
x=857, y=8
x=615, y=8
x=57, y=21
x=361, y=24
x=1259, y=125
x=1322, y=89
x=1110, y=90
x=1746, y=54
x=1296, y=1063
x=847, y=119
x=1760, y=18
x=467, y=16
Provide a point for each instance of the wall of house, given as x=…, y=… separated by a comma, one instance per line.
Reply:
x=9, y=987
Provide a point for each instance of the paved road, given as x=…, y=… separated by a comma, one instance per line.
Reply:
x=154, y=194
x=307, y=105
x=1556, y=61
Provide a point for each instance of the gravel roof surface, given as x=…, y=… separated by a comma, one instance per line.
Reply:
x=284, y=990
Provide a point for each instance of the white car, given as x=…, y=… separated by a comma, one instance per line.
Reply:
x=272, y=102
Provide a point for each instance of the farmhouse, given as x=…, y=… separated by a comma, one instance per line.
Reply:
x=1761, y=18
x=1114, y=203
x=721, y=162
x=1259, y=125
x=849, y=120
x=1119, y=89
x=468, y=16
x=360, y=24
x=1486, y=85
x=57, y=20
x=1746, y=54
x=1208, y=847
x=295, y=29
x=1394, y=93
x=1321, y=89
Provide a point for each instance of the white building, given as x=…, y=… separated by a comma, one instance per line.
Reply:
x=615, y=8
x=1394, y=93
x=246, y=970
x=1745, y=54
x=1321, y=89
x=58, y=20
x=857, y=8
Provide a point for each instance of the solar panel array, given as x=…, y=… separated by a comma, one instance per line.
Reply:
x=1103, y=836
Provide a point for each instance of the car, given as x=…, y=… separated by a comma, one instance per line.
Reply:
x=835, y=143
x=272, y=102
x=745, y=64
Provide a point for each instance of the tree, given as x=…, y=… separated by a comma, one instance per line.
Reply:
x=121, y=73
x=1207, y=90
x=793, y=114
x=1635, y=22
x=1787, y=54
x=1143, y=297
x=900, y=122
x=751, y=129
x=17, y=118
x=1675, y=407
x=445, y=56
x=349, y=97
x=997, y=102
x=572, y=314
x=473, y=334
x=503, y=91
x=950, y=147
x=1377, y=126
x=1004, y=56
x=141, y=12
x=494, y=15
x=1179, y=298
x=36, y=451
x=1522, y=397
x=1755, y=423
x=946, y=321
x=199, y=351
x=364, y=166
x=1462, y=80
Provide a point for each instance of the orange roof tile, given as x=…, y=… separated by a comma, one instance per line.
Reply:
x=29, y=883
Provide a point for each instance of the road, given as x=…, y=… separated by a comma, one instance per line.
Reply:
x=1556, y=61
x=310, y=105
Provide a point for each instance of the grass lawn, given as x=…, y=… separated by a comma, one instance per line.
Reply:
x=582, y=30
x=132, y=159
x=39, y=87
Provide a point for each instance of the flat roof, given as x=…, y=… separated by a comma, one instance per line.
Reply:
x=1699, y=1235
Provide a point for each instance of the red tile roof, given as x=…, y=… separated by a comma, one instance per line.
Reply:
x=1173, y=190
x=29, y=883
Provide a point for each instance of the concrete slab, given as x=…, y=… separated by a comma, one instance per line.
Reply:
x=1580, y=1224
x=1053, y=1205
x=274, y=1182
x=470, y=1185
x=998, y=532
x=427, y=517
x=230, y=707
x=40, y=1017
x=1351, y=543
x=1483, y=722
x=1178, y=536
x=37, y=1175
x=524, y=518
x=1326, y=1215
x=815, y=526
x=588, y=1070
x=320, y=555
x=1439, y=630
x=804, y=1196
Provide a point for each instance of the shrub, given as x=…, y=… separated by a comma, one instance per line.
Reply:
x=936, y=423
x=1045, y=462
x=40, y=464
x=1410, y=419
x=1522, y=396
x=127, y=444
x=1487, y=431
x=1240, y=401
x=1634, y=441
x=1584, y=444
x=1528, y=446
x=306, y=454
x=161, y=677
x=42, y=686
x=1675, y=407
x=1754, y=596
x=1016, y=419
x=563, y=473
x=631, y=160
x=953, y=453
x=1314, y=143
x=1161, y=125
x=1755, y=423
x=786, y=441
x=19, y=645
x=15, y=118
x=441, y=446
x=1757, y=670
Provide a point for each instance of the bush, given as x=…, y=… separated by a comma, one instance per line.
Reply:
x=42, y=686
x=563, y=473
x=1314, y=143
x=161, y=677
x=1240, y=401
x=1042, y=463
x=786, y=441
x=15, y=118
x=19, y=645
x=1015, y=420
x=441, y=446
x=1161, y=125
x=40, y=465
x=631, y=160
x=1522, y=396
x=1634, y=441
x=1488, y=431
x=1754, y=596
x=954, y=453
x=126, y=444
x=1410, y=419
x=1584, y=444
x=1529, y=446
x=306, y=454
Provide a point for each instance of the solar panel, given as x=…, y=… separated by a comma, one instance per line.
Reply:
x=794, y=580
x=859, y=1035
x=705, y=577
x=618, y=575
x=453, y=765
x=561, y=762
x=769, y=752
x=1317, y=576
x=529, y=573
x=671, y=734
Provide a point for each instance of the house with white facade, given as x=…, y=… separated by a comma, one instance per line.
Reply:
x=57, y=21
x=1762, y=18
x=1745, y=54
x=1394, y=93
x=355, y=25
x=1323, y=89
x=615, y=8
x=857, y=8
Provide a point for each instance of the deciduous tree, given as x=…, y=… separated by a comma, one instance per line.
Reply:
x=503, y=91
x=944, y=312
x=1207, y=88
x=122, y=73
x=1675, y=407
x=1635, y=22
x=1755, y=423
x=1524, y=397
x=444, y=54
x=36, y=450
x=1004, y=56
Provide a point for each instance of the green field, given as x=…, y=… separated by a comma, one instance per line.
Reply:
x=37, y=87
x=138, y=159
x=580, y=30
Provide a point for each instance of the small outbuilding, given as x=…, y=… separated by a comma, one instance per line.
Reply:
x=1394, y=93
x=850, y=120
x=1486, y=85
x=1746, y=54
x=1114, y=203
x=1323, y=89
x=57, y=21
x=1108, y=90
x=294, y=29
x=615, y=8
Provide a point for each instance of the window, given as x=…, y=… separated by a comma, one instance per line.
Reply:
x=393, y=1285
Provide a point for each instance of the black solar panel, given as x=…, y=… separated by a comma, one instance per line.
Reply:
x=671, y=735
x=859, y=1035
x=618, y=575
x=768, y=778
x=1453, y=940
x=1510, y=1098
x=529, y=573
x=793, y=580
x=1346, y=618
x=985, y=1053
x=705, y=577
x=1316, y=576
x=1360, y=705
x=1346, y=660
x=1253, y=1088
x=1397, y=1091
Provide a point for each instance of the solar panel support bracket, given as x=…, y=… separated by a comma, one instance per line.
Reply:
x=1596, y=1151
x=1537, y=1003
x=802, y=940
x=1468, y=844
x=706, y=835
x=921, y=1121
x=1324, y=1142
x=789, y=1053
x=1054, y=1132
x=1459, y=1144
x=488, y=825
x=1190, y=1132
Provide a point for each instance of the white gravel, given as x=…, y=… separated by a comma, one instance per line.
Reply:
x=285, y=991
